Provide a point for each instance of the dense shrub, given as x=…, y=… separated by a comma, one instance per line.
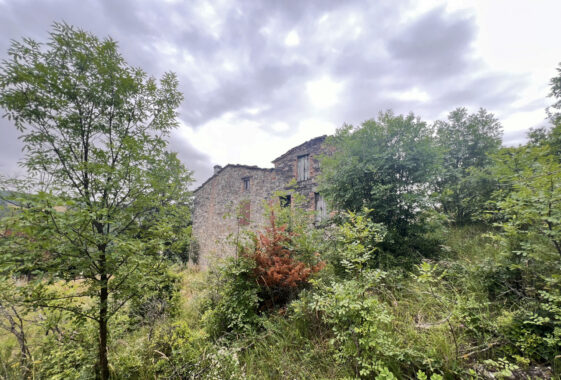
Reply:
x=159, y=300
x=66, y=351
x=279, y=275
x=360, y=323
x=231, y=307
x=354, y=307
x=176, y=351
x=265, y=276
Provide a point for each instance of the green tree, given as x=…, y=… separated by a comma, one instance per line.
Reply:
x=550, y=136
x=466, y=141
x=528, y=217
x=529, y=201
x=98, y=129
x=554, y=111
x=386, y=165
x=531, y=205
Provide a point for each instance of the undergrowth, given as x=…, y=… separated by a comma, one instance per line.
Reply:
x=456, y=316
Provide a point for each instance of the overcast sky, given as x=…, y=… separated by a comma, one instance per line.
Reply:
x=262, y=76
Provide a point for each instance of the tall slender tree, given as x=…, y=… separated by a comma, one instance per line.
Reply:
x=98, y=128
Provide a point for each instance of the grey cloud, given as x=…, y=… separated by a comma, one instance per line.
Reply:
x=532, y=105
x=199, y=162
x=514, y=138
x=435, y=45
x=491, y=91
x=10, y=149
x=432, y=52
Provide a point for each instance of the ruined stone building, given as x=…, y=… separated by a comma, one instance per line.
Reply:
x=233, y=198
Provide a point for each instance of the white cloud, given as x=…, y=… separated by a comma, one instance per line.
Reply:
x=310, y=128
x=323, y=92
x=292, y=39
x=280, y=126
x=209, y=17
x=248, y=143
x=348, y=25
x=513, y=37
x=524, y=120
x=255, y=110
x=225, y=144
x=230, y=66
x=413, y=94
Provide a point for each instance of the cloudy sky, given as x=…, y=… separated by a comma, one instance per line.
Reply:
x=262, y=76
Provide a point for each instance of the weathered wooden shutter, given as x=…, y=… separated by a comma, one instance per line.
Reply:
x=303, y=168
x=321, y=210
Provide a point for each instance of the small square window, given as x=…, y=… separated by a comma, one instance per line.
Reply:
x=245, y=183
x=285, y=201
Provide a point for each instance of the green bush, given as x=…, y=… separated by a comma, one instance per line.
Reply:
x=69, y=354
x=177, y=351
x=361, y=324
x=232, y=304
x=160, y=299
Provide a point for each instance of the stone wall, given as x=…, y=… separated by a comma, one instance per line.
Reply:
x=287, y=167
x=222, y=199
x=217, y=219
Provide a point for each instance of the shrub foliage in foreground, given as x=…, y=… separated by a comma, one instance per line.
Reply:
x=277, y=272
x=266, y=276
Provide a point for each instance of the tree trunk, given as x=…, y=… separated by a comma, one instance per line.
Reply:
x=16, y=328
x=103, y=301
x=25, y=359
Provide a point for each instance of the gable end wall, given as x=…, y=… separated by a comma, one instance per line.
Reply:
x=217, y=201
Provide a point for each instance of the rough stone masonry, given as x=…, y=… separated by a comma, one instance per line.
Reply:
x=233, y=198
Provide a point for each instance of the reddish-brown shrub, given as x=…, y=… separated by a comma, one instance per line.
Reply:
x=276, y=271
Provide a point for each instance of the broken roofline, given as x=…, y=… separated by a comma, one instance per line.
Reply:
x=312, y=141
x=251, y=167
x=254, y=167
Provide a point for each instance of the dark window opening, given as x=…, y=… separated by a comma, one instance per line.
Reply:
x=245, y=183
x=285, y=200
x=303, y=167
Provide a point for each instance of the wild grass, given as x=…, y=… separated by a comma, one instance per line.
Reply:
x=445, y=318
x=287, y=351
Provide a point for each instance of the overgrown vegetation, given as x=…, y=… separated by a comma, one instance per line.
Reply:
x=442, y=259
x=95, y=130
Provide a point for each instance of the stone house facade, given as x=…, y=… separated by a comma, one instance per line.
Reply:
x=233, y=198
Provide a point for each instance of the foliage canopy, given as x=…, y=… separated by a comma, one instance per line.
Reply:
x=386, y=165
x=96, y=129
x=467, y=142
